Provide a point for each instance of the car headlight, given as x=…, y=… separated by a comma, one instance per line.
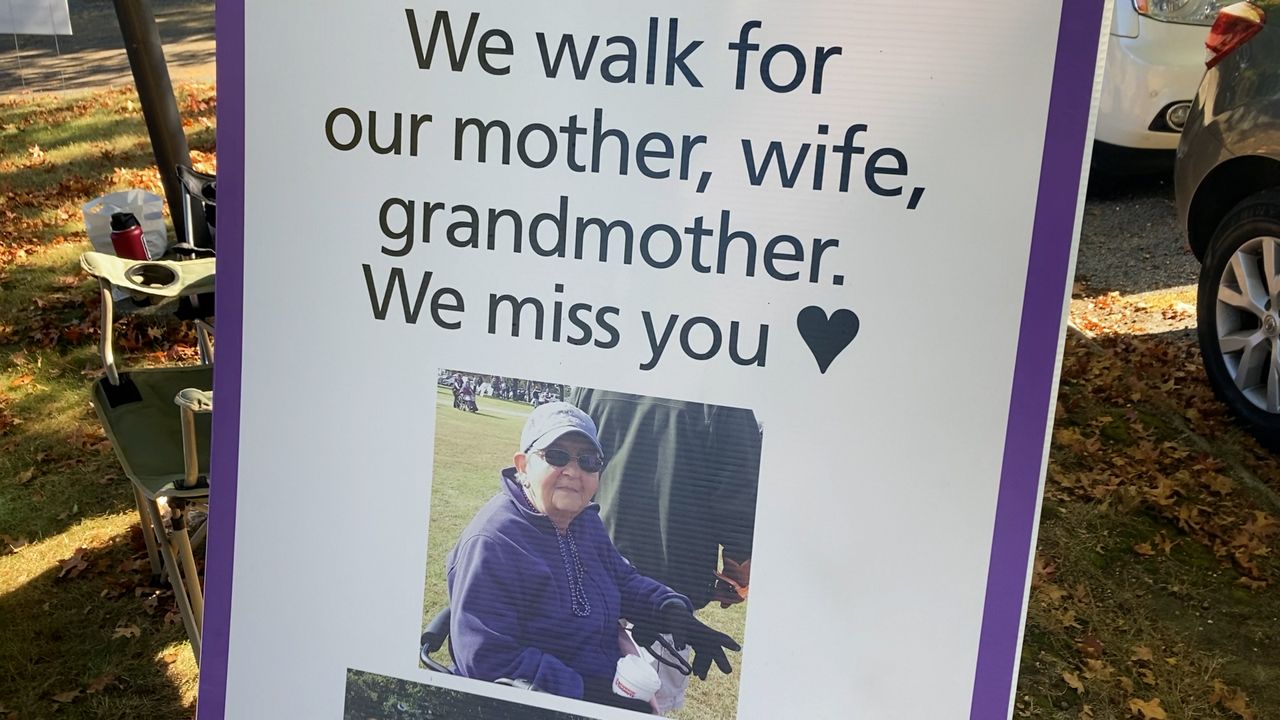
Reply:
x=1189, y=12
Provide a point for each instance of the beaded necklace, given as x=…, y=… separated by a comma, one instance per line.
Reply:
x=573, y=568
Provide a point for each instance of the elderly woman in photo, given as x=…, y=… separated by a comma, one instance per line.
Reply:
x=536, y=586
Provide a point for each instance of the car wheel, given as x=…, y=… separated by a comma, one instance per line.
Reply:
x=1238, y=314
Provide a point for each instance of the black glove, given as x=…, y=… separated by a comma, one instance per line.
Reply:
x=600, y=691
x=708, y=643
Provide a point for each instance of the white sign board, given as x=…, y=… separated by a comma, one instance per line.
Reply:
x=854, y=219
x=35, y=17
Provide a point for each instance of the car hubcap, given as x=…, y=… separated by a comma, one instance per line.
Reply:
x=1248, y=323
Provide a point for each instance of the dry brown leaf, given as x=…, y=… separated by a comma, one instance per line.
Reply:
x=1232, y=699
x=21, y=380
x=1097, y=670
x=126, y=631
x=1220, y=484
x=66, y=697
x=74, y=565
x=25, y=476
x=14, y=544
x=1147, y=709
x=1252, y=584
x=1090, y=647
x=100, y=683
x=1142, y=653
x=1073, y=681
x=1144, y=549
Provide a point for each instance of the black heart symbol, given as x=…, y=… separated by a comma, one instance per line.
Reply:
x=826, y=336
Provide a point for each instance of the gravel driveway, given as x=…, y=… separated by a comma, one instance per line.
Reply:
x=1130, y=241
x=1134, y=272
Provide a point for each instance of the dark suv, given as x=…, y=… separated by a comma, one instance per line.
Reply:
x=1228, y=193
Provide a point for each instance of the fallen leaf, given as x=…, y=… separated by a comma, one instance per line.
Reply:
x=14, y=544
x=66, y=697
x=1097, y=670
x=1232, y=699
x=1147, y=709
x=1221, y=484
x=21, y=380
x=1090, y=647
x=126, y=631
x=74, y=565
x=1073, y=681
x=1252, y=584
x=25, y=476
x=100, y=683
x=1142, y=653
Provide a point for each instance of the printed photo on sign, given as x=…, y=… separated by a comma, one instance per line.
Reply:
x=590, y=544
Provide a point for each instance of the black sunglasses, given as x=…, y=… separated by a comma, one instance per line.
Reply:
x=666, y=653
x=589, y=462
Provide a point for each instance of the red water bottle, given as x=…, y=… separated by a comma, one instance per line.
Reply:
x=126, y=237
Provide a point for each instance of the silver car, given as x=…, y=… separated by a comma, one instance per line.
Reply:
x=1227, y=184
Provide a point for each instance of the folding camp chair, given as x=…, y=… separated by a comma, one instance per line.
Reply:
x=158, y=421
x=199, y=208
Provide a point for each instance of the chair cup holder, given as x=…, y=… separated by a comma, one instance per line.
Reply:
x=151, y=276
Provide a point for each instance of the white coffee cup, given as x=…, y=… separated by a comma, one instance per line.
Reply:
x=635, y=678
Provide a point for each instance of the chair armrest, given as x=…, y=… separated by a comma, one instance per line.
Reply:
x=194, y=400
x=191, y=401
x=161, y=280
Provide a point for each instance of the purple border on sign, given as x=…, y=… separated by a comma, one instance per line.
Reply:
x=1033, y=379
x=1033, y=374
x=220, y=547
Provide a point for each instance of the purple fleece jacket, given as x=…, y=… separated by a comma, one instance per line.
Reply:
x=509, y=593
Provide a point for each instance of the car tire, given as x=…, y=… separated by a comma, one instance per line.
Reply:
x=1238, y=314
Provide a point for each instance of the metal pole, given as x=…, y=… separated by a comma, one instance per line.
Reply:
x=57, y=49
x=159, y=107
x=18, y=54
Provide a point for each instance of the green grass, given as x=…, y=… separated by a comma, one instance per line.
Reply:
x=101, y=641
x=471, y=448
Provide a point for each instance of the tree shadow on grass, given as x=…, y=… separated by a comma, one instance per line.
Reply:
x=59, y=476
x=95, y=643
x=94, y=54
